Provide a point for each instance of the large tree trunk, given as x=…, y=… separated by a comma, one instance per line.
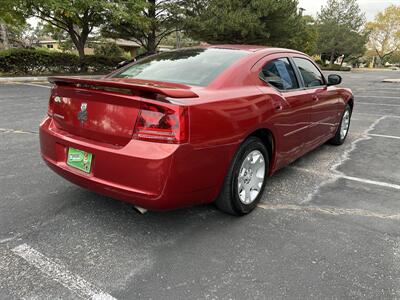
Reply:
x=80, y=47
x=151, y=38
x=332, y=60
x=79, y=42
x=81, y=51
x=151, y=43
x=3, y=35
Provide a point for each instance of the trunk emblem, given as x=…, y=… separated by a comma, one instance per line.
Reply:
x=82, y=115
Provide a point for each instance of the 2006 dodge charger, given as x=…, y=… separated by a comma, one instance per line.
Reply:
x=192, y=126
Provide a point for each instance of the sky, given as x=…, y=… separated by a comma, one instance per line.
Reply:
x=370, y=7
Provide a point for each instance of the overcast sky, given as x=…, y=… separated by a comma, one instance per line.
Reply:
x=370, y=7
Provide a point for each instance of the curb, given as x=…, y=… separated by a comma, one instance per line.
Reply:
x=23, y=79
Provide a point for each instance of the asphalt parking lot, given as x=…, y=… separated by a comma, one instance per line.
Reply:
x=328, y=225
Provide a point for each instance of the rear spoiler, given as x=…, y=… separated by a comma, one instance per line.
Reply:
x=169, y=90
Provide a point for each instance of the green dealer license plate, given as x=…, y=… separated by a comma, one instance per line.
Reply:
x=79, y=159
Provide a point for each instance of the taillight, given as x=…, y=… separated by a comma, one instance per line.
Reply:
x=161, y=124
x=50, y=108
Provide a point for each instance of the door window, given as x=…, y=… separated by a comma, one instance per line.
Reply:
x=311, y=75
x=280, y=74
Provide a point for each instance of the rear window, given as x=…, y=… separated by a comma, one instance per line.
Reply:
x=188, y=66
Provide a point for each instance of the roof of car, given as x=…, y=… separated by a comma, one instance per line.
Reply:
x=251, y=48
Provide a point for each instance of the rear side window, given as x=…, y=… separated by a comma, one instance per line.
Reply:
x=311, y=75
x=280, y=74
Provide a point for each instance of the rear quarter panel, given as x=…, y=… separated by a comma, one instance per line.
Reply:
x=220, y=125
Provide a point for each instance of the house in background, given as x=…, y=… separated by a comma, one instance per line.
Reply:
x=128, y=46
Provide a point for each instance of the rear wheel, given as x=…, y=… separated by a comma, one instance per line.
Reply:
x=343, y=128
x=245, y=181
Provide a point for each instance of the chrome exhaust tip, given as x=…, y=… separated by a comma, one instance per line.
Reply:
x=140, y=210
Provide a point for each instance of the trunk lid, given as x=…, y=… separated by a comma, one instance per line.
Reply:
x=104, y=110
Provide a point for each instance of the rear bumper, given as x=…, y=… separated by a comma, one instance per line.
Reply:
x=151, y=175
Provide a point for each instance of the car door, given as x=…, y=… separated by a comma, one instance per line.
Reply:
x=291, y=117
x=324, y=101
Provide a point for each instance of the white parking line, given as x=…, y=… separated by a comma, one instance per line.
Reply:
x=59, y=273
x=386, y=136
x=375, y=115
x=35, y=84
x=352, y=178
x=376, y=89
x=380, y=97
x=6, y=240
x=391, y=93
x=332, y=177
x=379, y=89
x=8, y=130
x=377, y=104
x=373, y=182
x=335, y=211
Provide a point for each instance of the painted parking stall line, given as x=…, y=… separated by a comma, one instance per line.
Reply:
x=334, y=211
x=35, y=84
x=8, y=130
x=378, y=104
x=385, y=136
x=373, y=182
x=375, y=115
x=351, y=178
x=61, y=274
x=376, y=96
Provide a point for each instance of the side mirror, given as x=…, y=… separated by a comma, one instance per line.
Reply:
x=334, y=79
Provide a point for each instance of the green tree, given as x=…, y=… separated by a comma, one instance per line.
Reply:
x=394, y=58
x=179, y=39
x=385, y=32
x=12, y=24
x=265, y=22
x=146, y=22
x=340, y=29
x=78, y=18
x=306, y=39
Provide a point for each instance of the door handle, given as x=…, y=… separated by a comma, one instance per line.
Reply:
x=278, y=107
x=315, y=98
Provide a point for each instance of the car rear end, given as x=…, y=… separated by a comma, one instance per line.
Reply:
x=128, y=135
x=117, y=139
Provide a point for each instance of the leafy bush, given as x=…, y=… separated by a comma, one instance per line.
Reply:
x=42, y=61
x=336, y=67
x=108, y=49
x=102, y=64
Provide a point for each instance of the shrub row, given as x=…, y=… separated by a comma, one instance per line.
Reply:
x=335, y=67
x=41, y=61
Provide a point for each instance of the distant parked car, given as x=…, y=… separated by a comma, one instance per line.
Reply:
x=193, y=126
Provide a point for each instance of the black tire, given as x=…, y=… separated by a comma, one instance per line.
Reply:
x=228, y=200
x=338, y=139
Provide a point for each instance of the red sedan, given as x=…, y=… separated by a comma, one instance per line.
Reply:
x=193, y=126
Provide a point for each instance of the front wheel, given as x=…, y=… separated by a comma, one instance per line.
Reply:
x=245, y=181
x=343, y=128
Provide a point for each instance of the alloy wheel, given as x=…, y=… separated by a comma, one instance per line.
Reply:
x=251, y=177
